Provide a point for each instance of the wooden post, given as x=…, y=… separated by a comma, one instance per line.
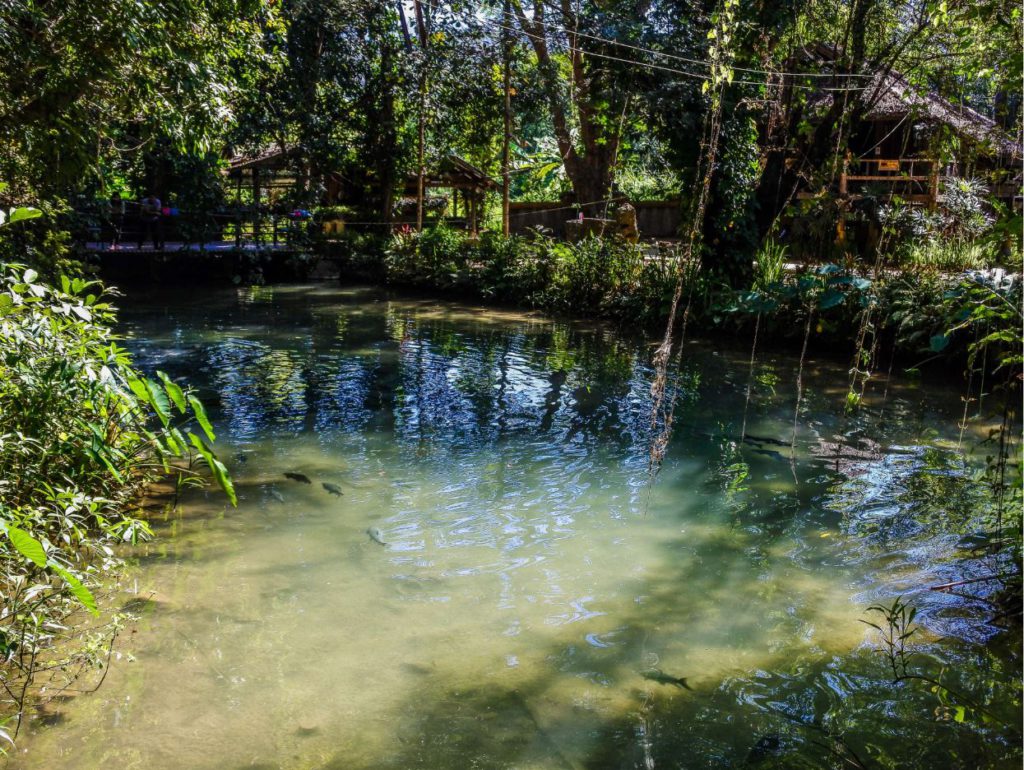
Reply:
x=933, y=186
x=238, y=210
x=421, y=30
x=507, y=138
x=256, y=204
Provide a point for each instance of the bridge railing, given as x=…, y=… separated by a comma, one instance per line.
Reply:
x=98, y=228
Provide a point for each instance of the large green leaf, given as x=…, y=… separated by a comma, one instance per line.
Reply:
x=83, y=594
x=138, y=387
x=204, y=421
x=158, y=400
x=220, y=472
x=174, y=392
x=830, y=299
x=27, y=546
x=22, y=213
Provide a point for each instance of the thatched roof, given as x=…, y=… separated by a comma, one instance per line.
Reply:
x=890, y=96
x=456, y=172
x=270, y=157
x=894, y=98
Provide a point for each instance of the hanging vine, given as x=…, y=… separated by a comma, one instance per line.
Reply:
x=720, y=59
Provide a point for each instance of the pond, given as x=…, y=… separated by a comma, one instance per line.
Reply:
x=528, y=599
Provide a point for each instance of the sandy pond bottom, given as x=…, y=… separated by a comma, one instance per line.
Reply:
x=530, y=575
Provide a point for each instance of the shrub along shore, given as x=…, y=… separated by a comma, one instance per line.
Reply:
x=82, y=436
x=877, y=316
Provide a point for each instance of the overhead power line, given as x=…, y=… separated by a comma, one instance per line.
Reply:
x=649, y=65
x=700, y=62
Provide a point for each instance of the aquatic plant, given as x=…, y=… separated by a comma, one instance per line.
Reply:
x=895, y=629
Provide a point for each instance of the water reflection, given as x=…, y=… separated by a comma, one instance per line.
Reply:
x=530, y=574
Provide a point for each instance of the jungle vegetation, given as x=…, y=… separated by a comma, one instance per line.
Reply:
x=705, y=102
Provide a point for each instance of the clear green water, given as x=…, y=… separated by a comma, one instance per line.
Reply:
x=530, y=574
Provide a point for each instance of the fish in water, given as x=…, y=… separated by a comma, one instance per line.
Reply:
x=770, y=453
x=277, y=495
x=334, y=489
x=240, y=457
x=659, y=676
x=302, y=478
x=767, y=746
x=751, y=439
x=376, y=535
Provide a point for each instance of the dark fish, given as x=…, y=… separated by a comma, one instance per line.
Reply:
x=334, y=489
x=240, y=457
x=751, y=439
x=302, y=478
x=766, y=746
x=376, y=535
x=770, y=453
x=979, y=541
x=659, y=676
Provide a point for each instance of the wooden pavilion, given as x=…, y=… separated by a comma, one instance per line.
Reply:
x=465, y=181
x=892, y=146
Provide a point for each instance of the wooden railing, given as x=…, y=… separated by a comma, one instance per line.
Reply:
x=893, y=170
x=232, y=225
x=890, y=169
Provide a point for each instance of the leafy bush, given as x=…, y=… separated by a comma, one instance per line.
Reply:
x=594, y=273
x=950, y=239
x=649, y=183
x=515, y=269
x=81, y=434
x=949, y=254
x=45, y=243
x=433, y=257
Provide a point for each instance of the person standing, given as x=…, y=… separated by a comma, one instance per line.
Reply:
x=150, y=211
x=116, y=219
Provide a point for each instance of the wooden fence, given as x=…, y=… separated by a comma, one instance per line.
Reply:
x=655, y=219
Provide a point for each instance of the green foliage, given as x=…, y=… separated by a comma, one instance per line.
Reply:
x=643, y=182
x=895, y=629
x=516, y=269
x=957, y=236
x=78, y=444
x=76, y=74
x=41, y=239
x=605, y=277
x=899, y=627
x=436, y=256
x=593, y=273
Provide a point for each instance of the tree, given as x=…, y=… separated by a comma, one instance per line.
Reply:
x=588, y=103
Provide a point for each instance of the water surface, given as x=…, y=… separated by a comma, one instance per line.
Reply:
x=531, y=573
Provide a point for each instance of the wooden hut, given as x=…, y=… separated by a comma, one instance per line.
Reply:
x=260, y=177
x=892, y=145
x=464, y=180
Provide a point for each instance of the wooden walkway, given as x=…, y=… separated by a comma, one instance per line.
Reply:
x=173, y=247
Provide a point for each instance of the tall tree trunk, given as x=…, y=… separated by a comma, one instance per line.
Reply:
x=421, y=133
x=506, y=55
x=588, y=162
x=388, y=133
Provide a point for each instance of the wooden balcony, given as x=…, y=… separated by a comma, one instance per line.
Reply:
x=917, y=178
